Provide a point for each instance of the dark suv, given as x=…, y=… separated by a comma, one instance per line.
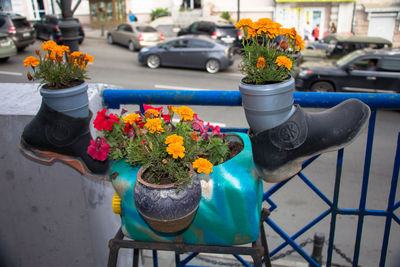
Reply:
x=220, y=30
x=47, y=29
x=367, y=70
x=18, y=28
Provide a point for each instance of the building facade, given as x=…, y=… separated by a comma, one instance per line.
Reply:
x=361, y=17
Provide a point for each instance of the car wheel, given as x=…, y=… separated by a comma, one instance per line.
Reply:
x=322, y=87
x=131, y=46
x=110, y=39
x=212, y=66
x=20, y=49
x=4, y=59
x=153, y=61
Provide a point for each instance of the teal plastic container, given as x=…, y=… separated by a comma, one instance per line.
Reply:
x=230, y=206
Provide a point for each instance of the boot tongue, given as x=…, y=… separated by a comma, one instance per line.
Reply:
x=292, y=133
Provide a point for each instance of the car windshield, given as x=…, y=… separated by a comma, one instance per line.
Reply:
x=145, y=29
x=20, y=23
x=226, y=30
x=347, y=58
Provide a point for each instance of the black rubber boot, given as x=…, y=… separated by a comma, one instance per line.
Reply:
x=52, y=136
x=278, y=153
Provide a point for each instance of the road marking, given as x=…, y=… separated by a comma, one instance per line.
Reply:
x=161, y=86
x=221, y=125
x=11, y=73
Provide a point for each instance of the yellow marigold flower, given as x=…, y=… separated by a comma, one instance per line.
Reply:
x=89, y=58
x=185, y=112
x=152, y=113
x=176, y=150
x=154, y=125
x=174, y=139
x=48, y=45
x=260, y=63
x=131, y=118
x=31, y=61
x=203, y=165
x=244, y=23
x=282, y=60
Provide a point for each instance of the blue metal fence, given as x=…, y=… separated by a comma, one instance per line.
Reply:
x=113, y=98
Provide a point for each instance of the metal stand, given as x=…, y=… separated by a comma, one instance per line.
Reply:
x=258, y=249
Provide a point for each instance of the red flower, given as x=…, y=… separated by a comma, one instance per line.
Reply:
x=146, y=107
x=129, y=130
x=99, y=149
x=166, y=117
x=104, y=121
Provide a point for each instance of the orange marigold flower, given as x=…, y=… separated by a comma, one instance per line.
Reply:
x=282, y=60
x=260, y=63
x=244, y=23
x=176, y=150
x=48, y=45
x=185, y=112
x=299, y=43
x=89, y=58
x=76, y=54
x=194, y=136
x=65, y=48
x=267, y=26
x=51, y=56
x=31, y=61
x=174, y=139
x=131, y=118
x=154, y=125
x=203, y=165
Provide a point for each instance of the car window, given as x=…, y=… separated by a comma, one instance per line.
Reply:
x=196, y=43
x=145, y=29
x=2, y=21
x=369, y=64
x=205, y=27
x=226, y=30
x=21, y=23
x=193, y=27
x=121, y=27
x=128, y=28
x=389, y=64
x=348, y=58
x=182, y=43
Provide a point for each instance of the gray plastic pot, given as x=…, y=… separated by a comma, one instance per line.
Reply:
x=269, y=105
x=72, y=101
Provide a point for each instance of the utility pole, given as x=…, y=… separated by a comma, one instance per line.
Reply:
x=238, y=10
x=69, y=27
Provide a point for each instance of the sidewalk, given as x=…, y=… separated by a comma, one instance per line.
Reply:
x=91, y=33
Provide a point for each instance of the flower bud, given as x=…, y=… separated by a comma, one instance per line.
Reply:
x=37, y=51
x=30, y=78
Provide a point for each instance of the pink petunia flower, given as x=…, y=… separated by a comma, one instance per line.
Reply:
x=99, y=149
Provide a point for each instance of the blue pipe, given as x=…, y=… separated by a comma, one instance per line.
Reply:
x=114, y=97
x=392, y=196
x=364, y=188
x=339, y=166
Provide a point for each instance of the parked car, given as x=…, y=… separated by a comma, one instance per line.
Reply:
x=220, y=29
x=334, y=46
x=18, y=28
x=199, y=52
x=367, y=70
x=48, y=29
x=135, y=35
x=7, y=47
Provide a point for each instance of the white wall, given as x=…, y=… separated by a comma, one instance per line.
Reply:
x=345, y=17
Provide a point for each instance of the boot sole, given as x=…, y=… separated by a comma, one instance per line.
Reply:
x=292, y=168
x=49, y=158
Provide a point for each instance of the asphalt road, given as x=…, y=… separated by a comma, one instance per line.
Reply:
x=297, y=204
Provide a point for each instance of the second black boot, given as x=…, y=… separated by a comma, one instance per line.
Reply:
x=53, y=136
x=278, y=153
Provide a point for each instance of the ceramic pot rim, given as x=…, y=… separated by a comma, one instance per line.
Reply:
x=156, y=186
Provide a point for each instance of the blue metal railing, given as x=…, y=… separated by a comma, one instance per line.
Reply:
x=113, y=98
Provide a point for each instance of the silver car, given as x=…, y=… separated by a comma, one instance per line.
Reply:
x=135, y=35
x=199, y=52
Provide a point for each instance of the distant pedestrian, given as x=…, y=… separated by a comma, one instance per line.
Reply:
x=131, y=16
x=332, y=28
x=307, y=32
x=316, y=32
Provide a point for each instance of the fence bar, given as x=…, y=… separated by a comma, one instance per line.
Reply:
x=292, y=243
x=155, y=258
x=189, y=258
x=241, y=260
x=338, y=178
x=114, y=97
x=390, y=206
x=364, y=188
x=315, y=189
x=396, y=218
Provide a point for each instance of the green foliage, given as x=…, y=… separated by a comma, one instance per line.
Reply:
x=158, y=13
x=225, y=15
